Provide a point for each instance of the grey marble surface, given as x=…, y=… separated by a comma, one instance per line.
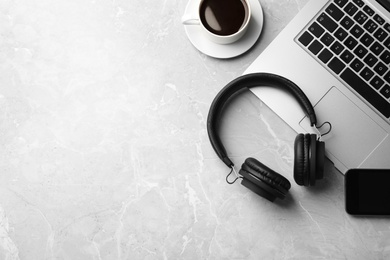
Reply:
x=105, y=154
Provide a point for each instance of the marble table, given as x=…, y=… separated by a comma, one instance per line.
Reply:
x=105, y=154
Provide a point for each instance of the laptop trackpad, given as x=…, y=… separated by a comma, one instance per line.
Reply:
x=354, y=134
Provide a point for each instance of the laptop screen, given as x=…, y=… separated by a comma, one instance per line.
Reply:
x=385, y=4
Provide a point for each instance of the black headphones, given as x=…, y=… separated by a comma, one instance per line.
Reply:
x=308, y=149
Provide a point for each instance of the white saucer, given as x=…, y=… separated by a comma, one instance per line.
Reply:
x=224, y=51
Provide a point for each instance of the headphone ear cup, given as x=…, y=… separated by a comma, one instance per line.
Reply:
x=309, y=159
x=301, y=160
x=320, y=160
x=267, y=175
x=313, y=160
x=263, y=181
x=259, y=188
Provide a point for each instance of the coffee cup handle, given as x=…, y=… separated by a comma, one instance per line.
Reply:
x=189, y=19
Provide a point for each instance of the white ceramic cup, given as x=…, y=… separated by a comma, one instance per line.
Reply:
x=193, y=19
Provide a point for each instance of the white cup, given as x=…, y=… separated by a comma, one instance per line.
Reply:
x=220, y=24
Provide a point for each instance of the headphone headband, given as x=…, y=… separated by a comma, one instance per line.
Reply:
x=248, y=81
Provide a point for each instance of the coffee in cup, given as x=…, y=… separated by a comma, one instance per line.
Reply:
x=223, y=21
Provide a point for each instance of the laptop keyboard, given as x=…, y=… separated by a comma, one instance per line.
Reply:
x=350, y=39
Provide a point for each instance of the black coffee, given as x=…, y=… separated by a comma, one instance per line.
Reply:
x=223, y=17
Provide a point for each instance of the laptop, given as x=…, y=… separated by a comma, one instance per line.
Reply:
x=338, y=52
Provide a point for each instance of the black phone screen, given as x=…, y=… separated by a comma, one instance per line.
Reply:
x=367, y=192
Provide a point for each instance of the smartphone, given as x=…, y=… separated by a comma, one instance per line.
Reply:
x=367, y=191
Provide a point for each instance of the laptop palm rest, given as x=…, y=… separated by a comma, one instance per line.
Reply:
x=354, y=134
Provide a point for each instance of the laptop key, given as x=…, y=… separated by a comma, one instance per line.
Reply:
x=341, y=34
x=347, y=22
x=357, y=65
x=315, y=47
x=367, y=74
x=334, y=12
x=336, y=65
x=387, y=27
x=327, y=22
x=387, y=43
x=351, y=9
x=387, y=77
x=346, y=56
x=360, y=17
x=305, y=38
x=316, y=29
x=370, y=60
x=377, y=82
x=370, y=26
x=357, y=31
x=341, y=3
x=360, y=51
x=380, y=68
x=350, y=42
x=379, y=19
x=368, y=93
x=325, y=55
x=366, y=39
x=385, y=91
x=368, y=10
x=359, y=3
x=337, y=47
x=380, y=34
x=327, y=39
x=385, y=57
x=376, y=48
